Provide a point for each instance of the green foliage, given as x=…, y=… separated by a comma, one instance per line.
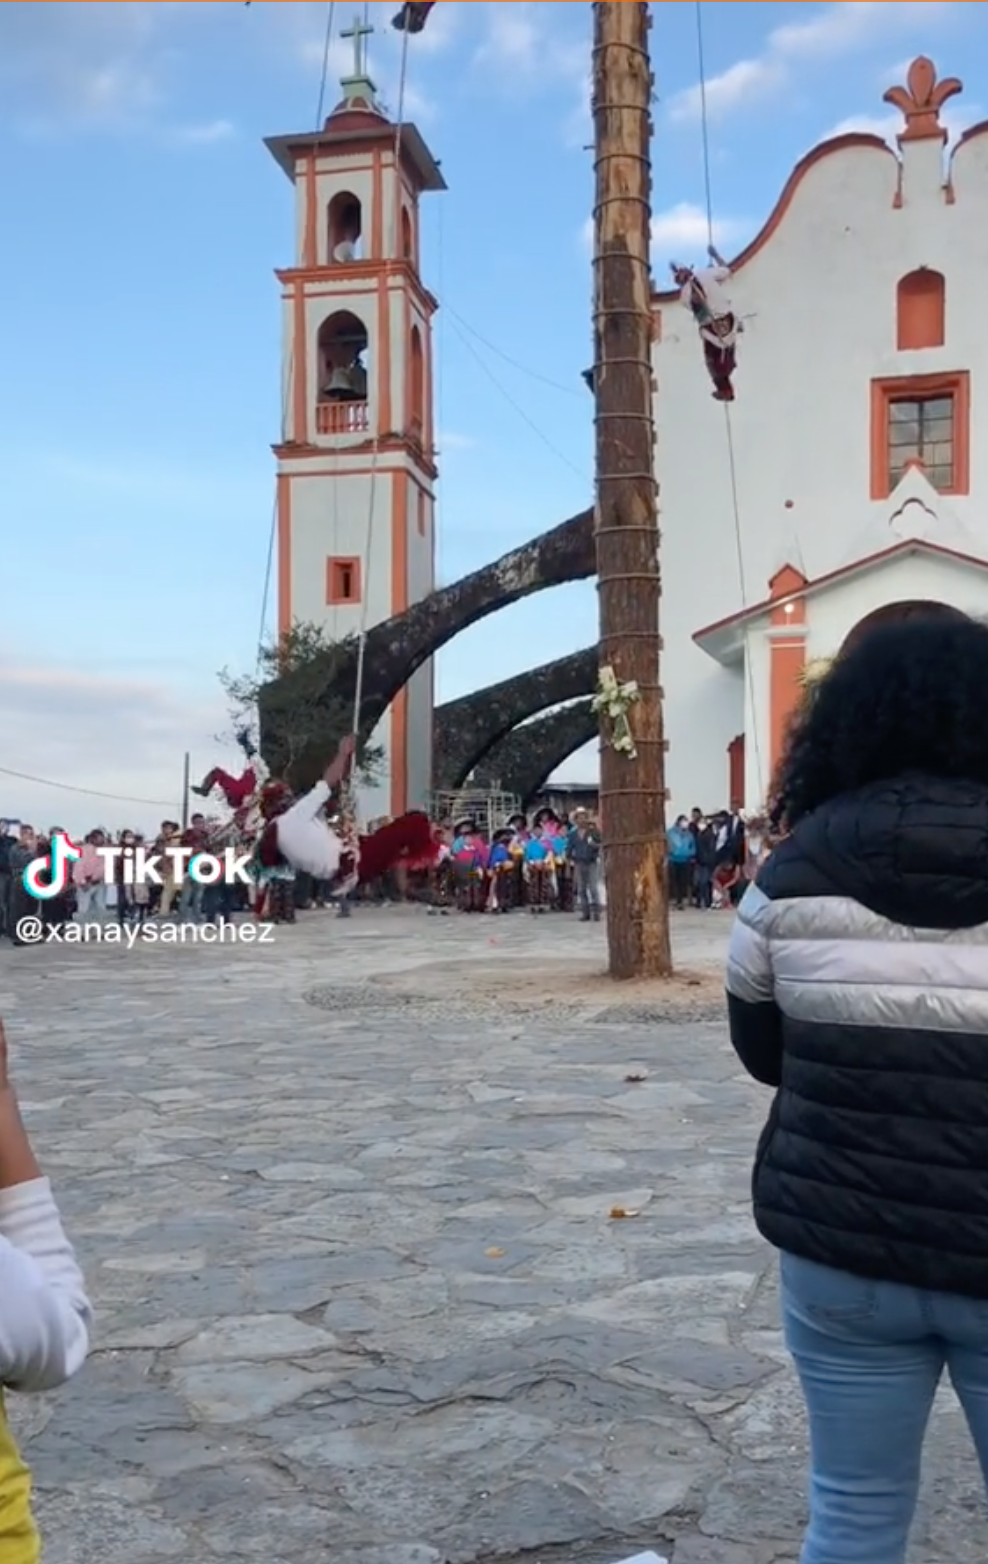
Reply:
x=300, y=697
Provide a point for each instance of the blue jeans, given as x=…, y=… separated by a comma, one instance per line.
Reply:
x=190, y=902
x=869, y=1356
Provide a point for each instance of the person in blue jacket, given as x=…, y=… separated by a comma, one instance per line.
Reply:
x=682, y=856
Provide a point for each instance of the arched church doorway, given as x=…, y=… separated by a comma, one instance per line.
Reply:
x=896, y=613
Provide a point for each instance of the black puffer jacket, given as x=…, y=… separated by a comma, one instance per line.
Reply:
x=858, y=986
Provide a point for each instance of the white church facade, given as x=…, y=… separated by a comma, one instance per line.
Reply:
x=851, y=472
x=355, y=464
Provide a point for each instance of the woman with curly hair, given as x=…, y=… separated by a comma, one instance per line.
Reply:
x=858, y=988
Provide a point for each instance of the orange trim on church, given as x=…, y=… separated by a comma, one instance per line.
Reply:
x=787, y=658
x=344, y=580
x=377, y=213
x=310, y=254
x=905, y=388
x=785, y=589
x=382, y=359
x=921, y=100
x=921, y=310
x=399, y=602
x=907, y=546
x=299, y=369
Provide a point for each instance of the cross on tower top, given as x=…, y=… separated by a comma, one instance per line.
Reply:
x=359, y=32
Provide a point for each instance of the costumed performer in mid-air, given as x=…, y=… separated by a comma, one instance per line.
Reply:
x=299, y=836
x=704, y=295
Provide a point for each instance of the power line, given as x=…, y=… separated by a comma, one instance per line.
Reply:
x=518, y=409
x=523, y=369
x=91, y=792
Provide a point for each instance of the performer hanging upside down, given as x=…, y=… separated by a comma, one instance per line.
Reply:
x=238, y=791
x=704, y=295
x=297, y=837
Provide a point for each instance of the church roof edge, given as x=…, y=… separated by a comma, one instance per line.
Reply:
x=833, y=577
x=920, y=102
x=346, y=132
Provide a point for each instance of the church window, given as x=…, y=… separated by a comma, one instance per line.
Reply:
x=342, y=581
x=407, y=243
x=344, y=228
x=920, y=306
x=923, y=431
x=921, y=420
x=416, y=384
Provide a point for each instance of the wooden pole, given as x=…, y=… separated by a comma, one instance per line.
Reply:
x=632, y=793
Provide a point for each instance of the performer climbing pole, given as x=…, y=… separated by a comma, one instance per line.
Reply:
x=629, y=698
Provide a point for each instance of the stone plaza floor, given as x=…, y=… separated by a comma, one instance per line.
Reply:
x=346, y=1208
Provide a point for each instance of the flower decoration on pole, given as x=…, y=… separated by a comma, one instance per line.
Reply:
x=614, y=700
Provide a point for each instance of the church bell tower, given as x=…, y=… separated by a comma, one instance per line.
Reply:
x=356, y=469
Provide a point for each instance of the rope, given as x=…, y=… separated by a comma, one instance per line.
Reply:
x=702, y=68
x=324, y=74
x=728, y=425
x=396, y=241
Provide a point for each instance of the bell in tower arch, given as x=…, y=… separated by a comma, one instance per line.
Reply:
x=342, y=345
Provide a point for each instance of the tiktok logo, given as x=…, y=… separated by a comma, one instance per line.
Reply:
x=54, y=869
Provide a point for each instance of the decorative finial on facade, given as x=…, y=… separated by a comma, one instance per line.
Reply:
x=921, y=100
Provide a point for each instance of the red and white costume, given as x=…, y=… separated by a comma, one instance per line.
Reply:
x=299, y=832
x=293, y=833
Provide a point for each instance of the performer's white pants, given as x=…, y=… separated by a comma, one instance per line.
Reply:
x=307, y=842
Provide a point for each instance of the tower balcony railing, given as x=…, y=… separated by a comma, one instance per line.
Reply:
x=342, y=417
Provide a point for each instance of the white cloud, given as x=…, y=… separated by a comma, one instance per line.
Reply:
x=522, y=43
x=513, y=38
x=684, y=227
x=679, y=231
x=834, y=30
x=740, y=84
x=115, y=736
x=94, y=66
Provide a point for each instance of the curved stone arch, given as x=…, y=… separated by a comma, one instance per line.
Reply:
x=397, y=647
x=523, y=760
x=465, y=730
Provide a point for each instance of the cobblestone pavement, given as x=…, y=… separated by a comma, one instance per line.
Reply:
x=361, y=1296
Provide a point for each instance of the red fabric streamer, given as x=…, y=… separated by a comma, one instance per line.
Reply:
x=407, y=839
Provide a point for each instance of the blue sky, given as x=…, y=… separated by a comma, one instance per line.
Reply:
x=139, y=377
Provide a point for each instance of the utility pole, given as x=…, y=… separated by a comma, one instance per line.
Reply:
x=632, y=793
